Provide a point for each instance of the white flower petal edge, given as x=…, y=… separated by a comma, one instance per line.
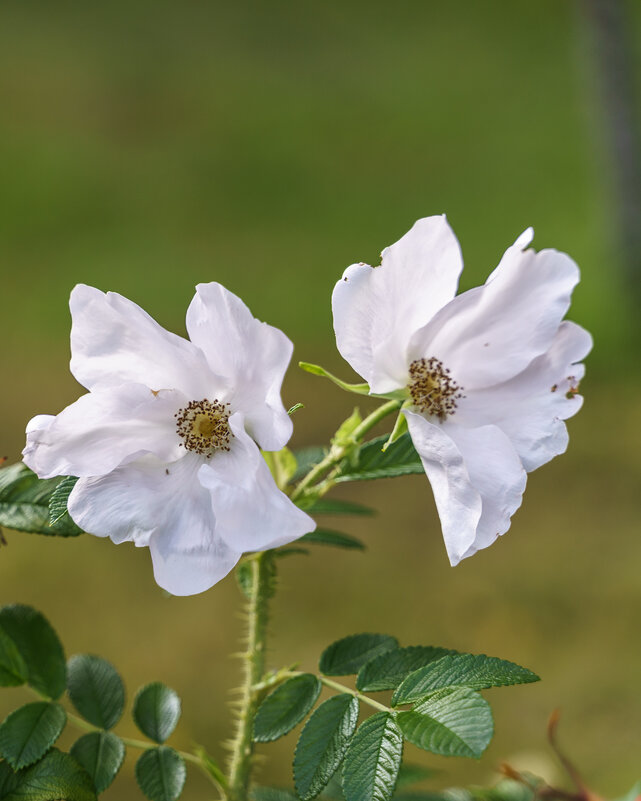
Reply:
x=162, y=444
x=377, y=309
x=489, y=375
x=252, y=356
x=252, y=514
x=162, y=506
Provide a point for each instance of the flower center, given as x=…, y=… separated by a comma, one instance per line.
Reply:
x=203, y=426
x=432, y=389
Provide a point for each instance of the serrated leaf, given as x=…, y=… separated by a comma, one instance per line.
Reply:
x=399, y=459
x=39, y=647
x=323, y=743
x=333, y=790
x=58, y=511
x=28, y=733
x=95, y=689
x=24, y=503
x=8, y=779
x=161, y=774
x=332, y=506
x=324, y=536
x=55, y=776
x=373, y=760
x=476, y=671
x=348, y=655
x=157, y=711
x=387, y=671
x=101, y=754
x=13, y=670
x=285, y=707
x=272, y=794
x=452, y=722
x=410, y=774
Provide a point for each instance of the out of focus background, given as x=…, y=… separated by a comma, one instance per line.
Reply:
x=147, y=146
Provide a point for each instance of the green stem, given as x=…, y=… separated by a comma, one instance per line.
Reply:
x=337, y=453
x=341, y=688
x=242, y=747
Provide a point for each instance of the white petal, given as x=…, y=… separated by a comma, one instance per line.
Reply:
x=164, y=506
x=103, y=429
x=477, y=480
x=252, y=356
x=378, y=309
x=531, y=407
x=457, y=500
x=113, y=341
x=252, y=514
x=491, y=333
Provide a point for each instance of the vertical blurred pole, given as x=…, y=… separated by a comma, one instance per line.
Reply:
x=609, y=28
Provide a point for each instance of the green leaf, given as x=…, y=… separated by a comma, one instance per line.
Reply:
x=161, y=774
x=272, y=794
x=343, y=436
x=388, y=670
x=101, y=754
x=28, y=733
x=39, y=647
x=452, y=722
x=58, y=502
x=332, y=506
x=348, y=655
x=55, y=776
x=410, y=774
x=157, y=711
x=325, y=536
x=400, y=459
x=285, y=707
x=24, y=503
x=96, y=690
x=13, y=670
x=315, y=369
x=476, y=671
x=307, y=458
x=8, y=779
x=323, y=743
x=373, y=759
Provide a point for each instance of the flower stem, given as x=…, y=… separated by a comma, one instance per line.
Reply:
x=259, y=589
x=337, y=453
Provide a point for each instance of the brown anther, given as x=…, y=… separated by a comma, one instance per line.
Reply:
x=204, y=427
x=433, y=391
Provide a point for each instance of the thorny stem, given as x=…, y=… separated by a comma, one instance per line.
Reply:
x=259, y=591
x=338, y=452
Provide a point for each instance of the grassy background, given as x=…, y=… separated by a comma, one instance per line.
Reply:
x=147, y=146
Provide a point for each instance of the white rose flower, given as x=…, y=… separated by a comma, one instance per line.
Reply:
x=164, y=443
x=489, y=375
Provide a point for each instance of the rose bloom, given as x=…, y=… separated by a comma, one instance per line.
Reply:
x=488, y=376
x=166, y=441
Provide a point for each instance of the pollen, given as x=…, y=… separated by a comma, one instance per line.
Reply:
x=204, y=427
x=433, y=391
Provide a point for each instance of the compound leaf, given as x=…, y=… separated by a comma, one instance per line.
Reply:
x=161, y=774
x=286, y=707
x=28, y=733
x=157, y=711
x=373, y=759
x=101, y=754
x=388, y=670
x=95, y=689
x=348, y=655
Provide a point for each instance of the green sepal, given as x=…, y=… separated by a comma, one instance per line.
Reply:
x=96, y=690
x=348, y=655
x=451, y=722
x=315, y=369
x=285, y=707
x=29, y=732
x=373, y=759
x=344, y=434
x=161, y=773
x=157, y=711
x=400, y=428
x=24, y=503
x=101, y=754
x=39, y=647
x=323, y=743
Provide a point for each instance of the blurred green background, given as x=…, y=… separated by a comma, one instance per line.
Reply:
x=147, y=146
